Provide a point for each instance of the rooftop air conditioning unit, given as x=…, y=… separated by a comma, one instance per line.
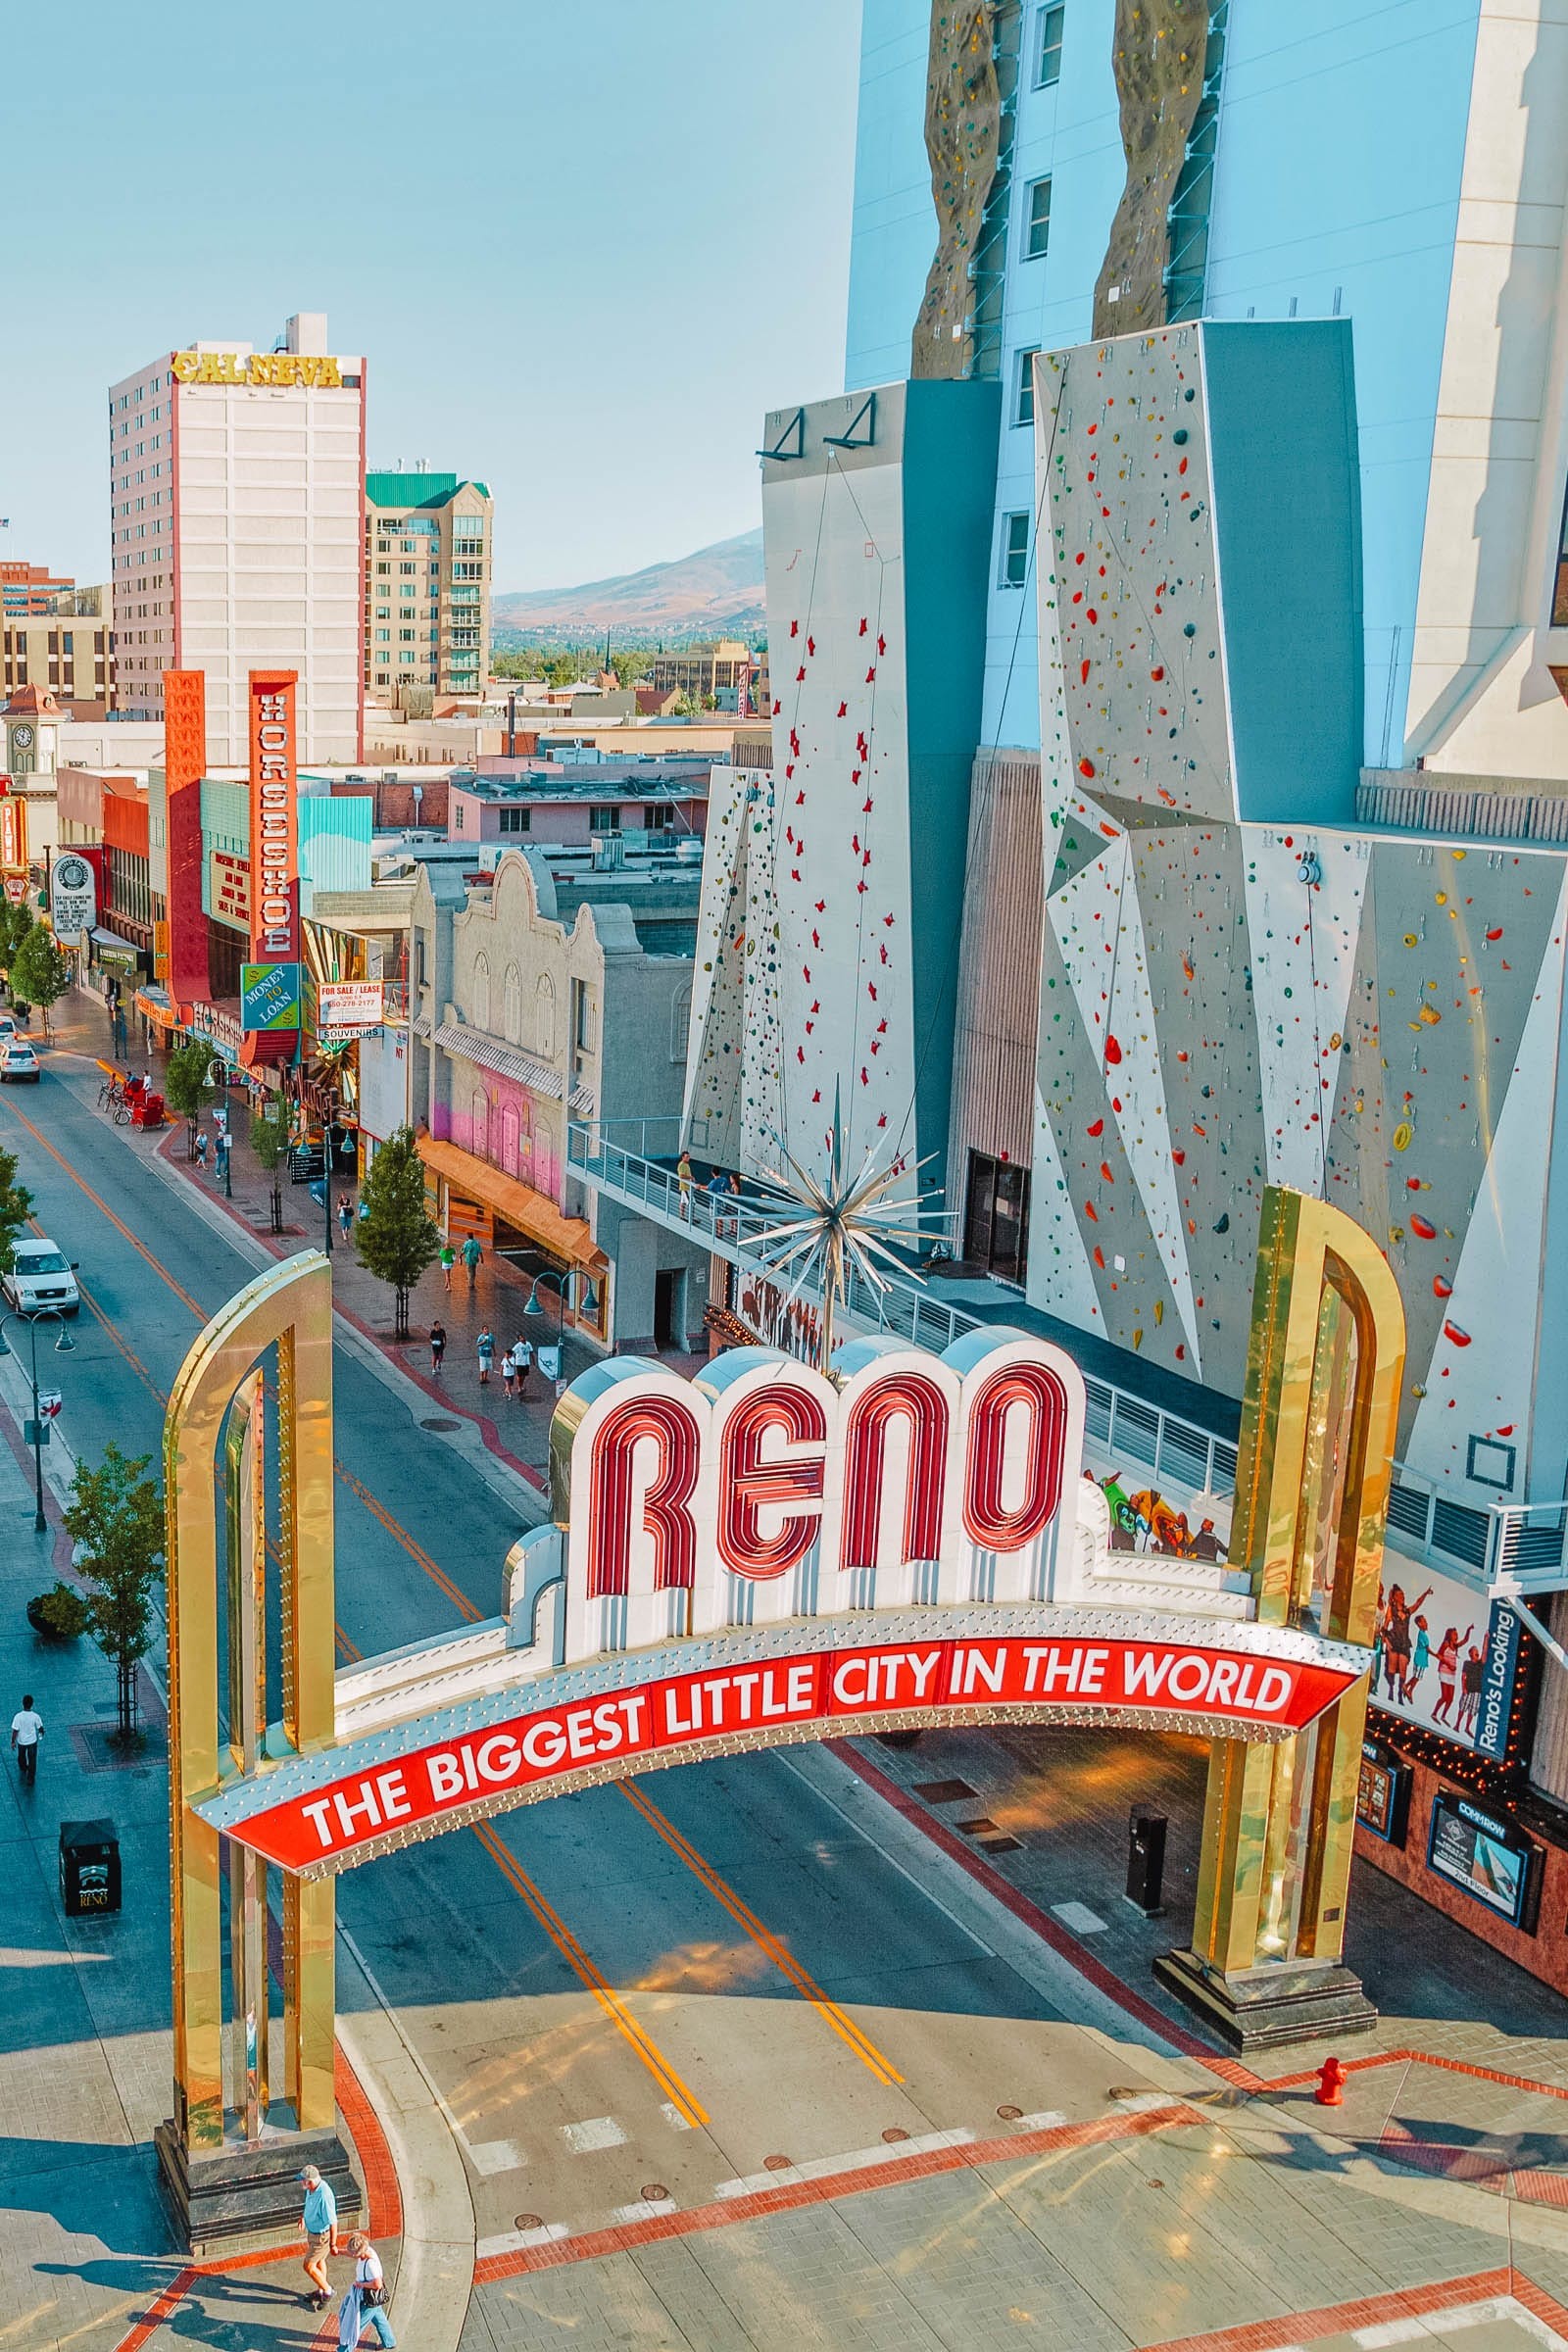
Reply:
x=608, y=850
x=689, y=849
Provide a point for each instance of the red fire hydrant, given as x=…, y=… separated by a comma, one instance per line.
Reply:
x=1329, y=2092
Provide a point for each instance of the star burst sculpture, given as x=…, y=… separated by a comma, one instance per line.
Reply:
x=848, y=1225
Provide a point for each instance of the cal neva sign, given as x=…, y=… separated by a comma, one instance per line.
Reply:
x=763, y=1555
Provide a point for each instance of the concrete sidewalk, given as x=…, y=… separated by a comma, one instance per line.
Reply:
x=86, y=2253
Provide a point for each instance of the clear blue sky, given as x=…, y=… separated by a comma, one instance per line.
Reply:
x=583, y=247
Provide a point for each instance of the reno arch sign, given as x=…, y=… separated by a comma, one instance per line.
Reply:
x=763, y=1555
x=767, y=1555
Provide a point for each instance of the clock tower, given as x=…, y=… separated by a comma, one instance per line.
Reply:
x=32, y=720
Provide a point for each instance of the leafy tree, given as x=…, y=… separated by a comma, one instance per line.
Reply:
x=187, y=1087
x=396, y=1237
x=118, y=1522
x=16, y=1206
x=15, y=921
x=270, y=1142
x=40, y=970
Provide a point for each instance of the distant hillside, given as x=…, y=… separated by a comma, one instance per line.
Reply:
x=717, y=592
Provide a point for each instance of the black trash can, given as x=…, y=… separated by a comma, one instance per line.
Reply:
x=1146, y=1859
x=90, y=1868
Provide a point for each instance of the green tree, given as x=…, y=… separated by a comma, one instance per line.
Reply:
x=40, y=970
x=116, y=1522
x=270, y=1142
x=187, y=1087
x=15, y=921
x=396, y=1237
x=16, y=1206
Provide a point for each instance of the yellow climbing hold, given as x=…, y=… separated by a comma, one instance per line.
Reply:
x=1403, y=1136
x=1410, y=940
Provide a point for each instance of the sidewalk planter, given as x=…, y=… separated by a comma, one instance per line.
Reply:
x=58, y=1615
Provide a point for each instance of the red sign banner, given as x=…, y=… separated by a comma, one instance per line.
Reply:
x=275, y=897
x=1245, y=1692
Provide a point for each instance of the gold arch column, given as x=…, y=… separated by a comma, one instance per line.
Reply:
x=1325, y=1362
x=212, y=2151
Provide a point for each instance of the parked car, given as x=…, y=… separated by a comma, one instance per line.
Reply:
x=40, y=1274
x=17, y=1060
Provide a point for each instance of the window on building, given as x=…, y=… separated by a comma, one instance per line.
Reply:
x=605, y=818
x=1037, y=221
x=1015, y=569
x=1023, y=407
x=404, y=636
x=406, y=569
x=1559, y=593
x=383, y=569
x=481, y=991
x=659, y=818
x=544, y=1014
x=516, y=820
x=582, y=1016
x=384, y=636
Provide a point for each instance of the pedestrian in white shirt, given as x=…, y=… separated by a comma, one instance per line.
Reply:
x=364, y=2301
x=26, y=1729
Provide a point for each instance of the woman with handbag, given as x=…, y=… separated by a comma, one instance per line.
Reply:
x=364, y=2301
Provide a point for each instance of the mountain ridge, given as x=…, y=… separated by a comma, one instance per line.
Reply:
x=717, y=591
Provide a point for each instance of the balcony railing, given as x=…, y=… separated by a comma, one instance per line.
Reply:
x=1525, y=1542
x=1122, y=1428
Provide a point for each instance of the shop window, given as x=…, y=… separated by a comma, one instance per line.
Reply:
x=995, y=1221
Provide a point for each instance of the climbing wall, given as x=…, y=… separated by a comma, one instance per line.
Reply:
x=964, y=128
x=1228, y=1002
x=1131, y=667
x=1158, y=49
x=877, y=517
x=732, y=1101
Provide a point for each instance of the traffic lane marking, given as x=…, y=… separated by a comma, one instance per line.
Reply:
x=636, y=2035
x=357, y=1488
x=552, y=2244
x=778, y=1952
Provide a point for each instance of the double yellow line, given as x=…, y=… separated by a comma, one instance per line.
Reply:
x=762, y=1935
x=683, y=2101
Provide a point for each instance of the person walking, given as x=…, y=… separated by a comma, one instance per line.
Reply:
x=438, y=1344
x=683, y=1176
x=26, y=1729
x=486, y=1348
x=345, y=1215
x=509, y=1375
x=319, y=2228
x=523, y=1358
x=364, y=2301
x=472, y=1252
x=449, y=1258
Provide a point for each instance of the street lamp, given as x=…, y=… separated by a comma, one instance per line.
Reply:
x=557, y=1283
x=64, y=1345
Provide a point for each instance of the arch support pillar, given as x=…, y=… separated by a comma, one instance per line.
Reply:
x=229, y=2155
x=1325, y=1362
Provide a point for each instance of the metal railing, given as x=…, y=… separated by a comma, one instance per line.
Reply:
x=1125, y=1427
x=1524, y=1541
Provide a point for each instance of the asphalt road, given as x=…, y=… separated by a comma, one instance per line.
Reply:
x=637, y=1993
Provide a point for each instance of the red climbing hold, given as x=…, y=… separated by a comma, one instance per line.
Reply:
x=1099, y=1127
x=1440, y=1287
x=1086, y=767
x=1112, y=1050
x=1459, y=1337
x=844, y=709
x=1083, y=673
x=1422, y=1229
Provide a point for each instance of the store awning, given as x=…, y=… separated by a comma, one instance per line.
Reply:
x=119, y=955
x=155, y=1004
x=531, y=1212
